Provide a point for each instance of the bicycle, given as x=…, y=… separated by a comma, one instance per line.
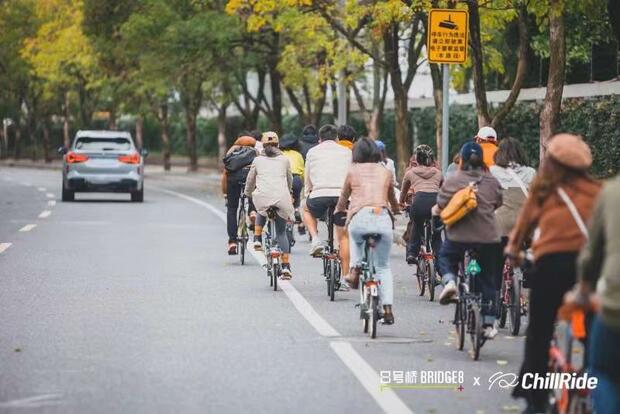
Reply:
x=369, y=287
x=426, y=273
x=273, y=253
x=512, y=303
x=571, y=332
x=468, y=312
x=332, y=266
x=242, y=226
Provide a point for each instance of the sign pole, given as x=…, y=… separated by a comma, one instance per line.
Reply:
x=445, y=119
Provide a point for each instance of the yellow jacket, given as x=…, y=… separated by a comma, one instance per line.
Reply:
x=296, y=160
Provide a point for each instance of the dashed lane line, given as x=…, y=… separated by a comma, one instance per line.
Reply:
x=45, y=214
x=49, y=195
x=365, y=374
x=42, y=189
x=28, y=227
x=4, y=246
x=51, y=203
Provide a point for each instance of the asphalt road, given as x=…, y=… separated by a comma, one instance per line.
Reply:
x=108, y=306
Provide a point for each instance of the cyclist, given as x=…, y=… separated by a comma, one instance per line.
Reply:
x=308, y=140
x=326, y=168
x=346, y=136
x=269, y=183
x=477, y=230
x=237, y=163
x=487, y=138
x=599, y=269
x=560, y=201
x=369, y=187
x=425, y=180
x=387, y=162
x=290, y=148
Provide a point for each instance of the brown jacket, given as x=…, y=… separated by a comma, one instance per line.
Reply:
x=479, y=226
x=368, y=185
x=558, y=230
x=420, y=179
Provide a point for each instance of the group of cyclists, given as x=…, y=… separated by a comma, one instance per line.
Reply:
x=517, y=208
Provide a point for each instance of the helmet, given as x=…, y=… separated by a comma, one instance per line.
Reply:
x=423, y=155
x=424, y=149
x=487, y=134
x=270, y=137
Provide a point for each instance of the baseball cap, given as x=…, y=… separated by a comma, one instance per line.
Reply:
x=487, y=133
x=470, y=148
x=270, y=137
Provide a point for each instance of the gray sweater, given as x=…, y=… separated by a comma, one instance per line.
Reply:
x=479, y=225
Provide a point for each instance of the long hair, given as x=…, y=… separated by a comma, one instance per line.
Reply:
x=550, y=176
x=510, y=151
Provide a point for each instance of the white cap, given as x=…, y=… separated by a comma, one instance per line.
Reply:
x=487, y=133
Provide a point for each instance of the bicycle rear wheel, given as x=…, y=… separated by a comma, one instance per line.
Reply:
x=419, y=273
x=459, y=324
x=515, y=303
x=276, y=274
x=474, y=322
x=332, y=280
x=373, y=316
x=430, y=278
x=503, y=306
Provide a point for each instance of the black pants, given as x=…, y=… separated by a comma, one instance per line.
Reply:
x=298, y=184
x=419, y=212
x=554, y=274
x=451, y=255
x=235, y=184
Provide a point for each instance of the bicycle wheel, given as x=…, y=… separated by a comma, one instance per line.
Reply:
x=515, y=303
x=430, y=278
x=373, y=316
x=459, y=324
x=419, y=273
x=474, y=322
x=332, y=280
x=276, y=274
x=503, y=306
x=364, y=306
x=326, y=274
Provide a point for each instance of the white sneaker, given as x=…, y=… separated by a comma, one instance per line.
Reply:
x=448, y=293
x=490, y=332
x=316, y=249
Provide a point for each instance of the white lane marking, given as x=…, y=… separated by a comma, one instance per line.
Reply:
x=26, y=184
x=42, y=189
x=386, y=399
x=4, y=246
x=49, y=195
x=32, y=402
x=51, y=203
x=28, y=227
x=45, y=214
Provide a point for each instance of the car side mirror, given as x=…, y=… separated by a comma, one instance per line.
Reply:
x=144, y=152
x=62, y=150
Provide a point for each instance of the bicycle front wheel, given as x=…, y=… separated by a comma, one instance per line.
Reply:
x=474, y=322
x=430, y=278
x=515, y=303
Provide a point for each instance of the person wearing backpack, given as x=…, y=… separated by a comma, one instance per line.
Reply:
x=237, y=164
x=477, y=230
x=560, y=202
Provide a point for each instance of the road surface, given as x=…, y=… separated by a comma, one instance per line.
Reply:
x=108, y=306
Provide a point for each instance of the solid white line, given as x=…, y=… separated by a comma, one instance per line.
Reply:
x=49, y=195
x=45, y=214
x=386, y=399
x=32, y=402
x=28, y=227
x=43, y=189
x=4, y=246
x=51, y=203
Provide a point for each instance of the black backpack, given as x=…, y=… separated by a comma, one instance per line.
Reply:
x=239, y=158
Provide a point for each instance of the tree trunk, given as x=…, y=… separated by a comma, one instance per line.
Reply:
x=18, y=138
x=162, y=116
x=276, y=100
x=46, y=140
x=190, y=119
x=112, y=119
x=139, y=131
x=436, y=76
x=4, y=138
x=555, y=83
x=221, y=132
x=482, y=108
x=65, y=121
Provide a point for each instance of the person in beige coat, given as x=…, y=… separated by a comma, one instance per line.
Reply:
x=269, y=183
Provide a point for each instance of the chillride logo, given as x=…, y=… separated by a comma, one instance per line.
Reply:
x=549, y=381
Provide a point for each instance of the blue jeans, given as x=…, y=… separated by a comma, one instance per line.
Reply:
x=366, y=221
x=604, y=363
x=451, y=254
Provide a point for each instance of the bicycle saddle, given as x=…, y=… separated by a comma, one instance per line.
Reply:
x=271, y=211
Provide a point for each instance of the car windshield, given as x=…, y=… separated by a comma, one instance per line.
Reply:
x=102, y=144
